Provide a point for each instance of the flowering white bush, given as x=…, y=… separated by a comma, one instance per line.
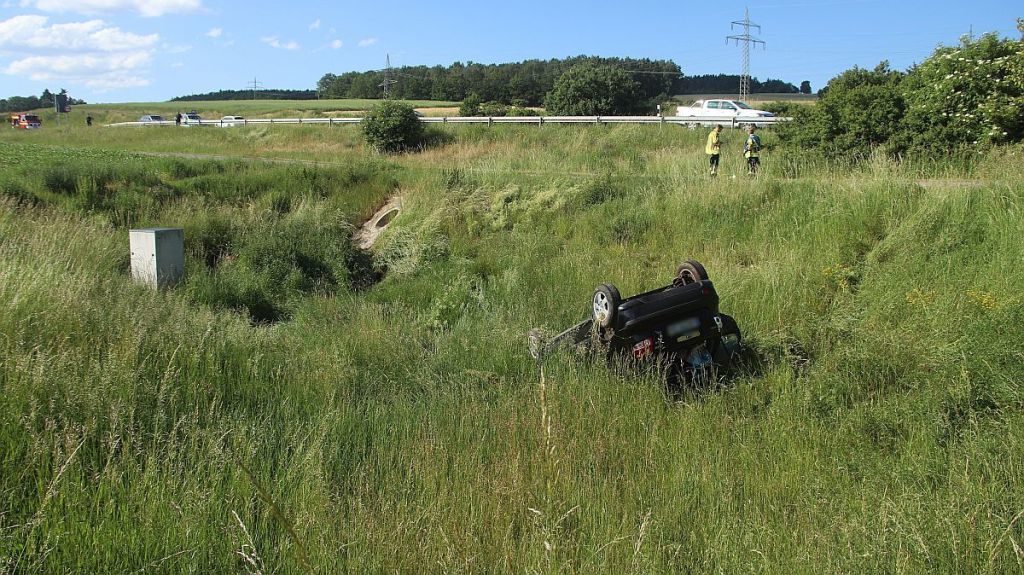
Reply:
x=966, y=95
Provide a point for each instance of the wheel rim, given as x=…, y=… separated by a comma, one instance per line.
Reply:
x=602, y=306
x=688, y=275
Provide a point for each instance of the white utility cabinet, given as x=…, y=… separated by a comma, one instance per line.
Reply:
x=158, y=256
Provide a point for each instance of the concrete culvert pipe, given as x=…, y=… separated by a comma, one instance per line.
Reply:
x=385, y=219
x=371, y=228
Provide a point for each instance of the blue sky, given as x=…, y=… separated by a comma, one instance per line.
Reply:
x=153, y=50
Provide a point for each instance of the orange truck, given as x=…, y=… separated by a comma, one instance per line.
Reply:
x=25, y=121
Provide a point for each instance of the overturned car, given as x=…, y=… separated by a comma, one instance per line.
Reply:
x=677, y=326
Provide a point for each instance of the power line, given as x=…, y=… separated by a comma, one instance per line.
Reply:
x=254, y=85
x=746, y=39
x=386, y=84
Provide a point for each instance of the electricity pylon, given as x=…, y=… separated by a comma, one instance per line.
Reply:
x=386, y=84
x=746, y=39
x=254, y=86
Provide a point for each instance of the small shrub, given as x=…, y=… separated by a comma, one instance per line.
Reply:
x=494, y=109
x=781, y=108
x=520, y=111
x=392, y=127
x=470, y=106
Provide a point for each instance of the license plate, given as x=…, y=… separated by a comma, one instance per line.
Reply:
x=682, y=326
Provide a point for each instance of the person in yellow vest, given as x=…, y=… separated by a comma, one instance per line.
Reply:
x=752, y=150
x=714, y=148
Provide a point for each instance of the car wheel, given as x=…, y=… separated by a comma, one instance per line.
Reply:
x=690, y=271
x=605, y=305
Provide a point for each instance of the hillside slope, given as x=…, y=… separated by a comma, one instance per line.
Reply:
x=399, y=425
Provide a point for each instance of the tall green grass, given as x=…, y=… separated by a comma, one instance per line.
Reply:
x=402, y=427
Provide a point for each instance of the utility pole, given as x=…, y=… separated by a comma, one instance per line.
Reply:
x=746, y=39
x=386, y=84
x=254, y=85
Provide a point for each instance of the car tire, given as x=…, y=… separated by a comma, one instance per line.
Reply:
x=605, y=305
x=690, y=271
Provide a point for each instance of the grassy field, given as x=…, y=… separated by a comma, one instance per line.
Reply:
x=213, y=110
x=289, y=410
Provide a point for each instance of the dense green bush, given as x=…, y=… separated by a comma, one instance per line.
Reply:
x=392, y=126
x=858, y=111
x=588, y=90
x=960, y=97
x=970, y=94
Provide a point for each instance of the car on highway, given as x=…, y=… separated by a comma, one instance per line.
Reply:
x=194, y=119
x=724, y=109
x=151, y=118
x=230, y=121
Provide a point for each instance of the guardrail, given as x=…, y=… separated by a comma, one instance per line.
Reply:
x=690, y=121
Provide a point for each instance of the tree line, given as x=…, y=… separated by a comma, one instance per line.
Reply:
x=524, y=83
x=728, y=83
x=25, y=103
x=248, y=95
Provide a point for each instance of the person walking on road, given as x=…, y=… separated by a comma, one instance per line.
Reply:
x=752, y=150
x=714, y=148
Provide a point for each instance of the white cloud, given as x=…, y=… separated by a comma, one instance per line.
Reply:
x=367, y=42
x=215, y=32
x=100, y=72
x=148, y=8
x=91, y=53
x=315, y=25
x=336, y=44
x=273, y=42
x=31, y=33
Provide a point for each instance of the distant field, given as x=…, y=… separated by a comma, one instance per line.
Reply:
x=130, y=111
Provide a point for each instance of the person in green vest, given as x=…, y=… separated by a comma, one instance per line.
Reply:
x=714, y=148
x=752, y=150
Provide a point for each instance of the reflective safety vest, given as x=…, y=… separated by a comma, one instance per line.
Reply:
x=752, y=146
x=713, y=146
